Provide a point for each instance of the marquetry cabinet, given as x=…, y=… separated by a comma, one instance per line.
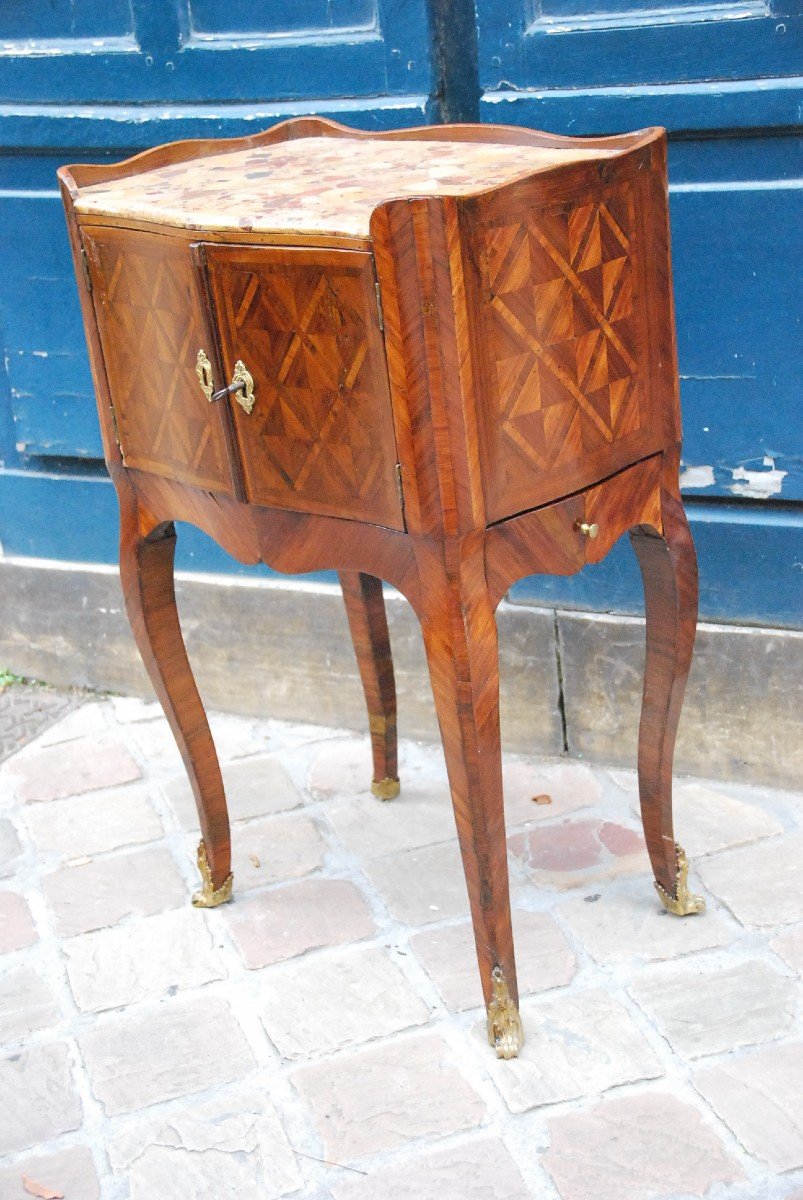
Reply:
x=443, y=358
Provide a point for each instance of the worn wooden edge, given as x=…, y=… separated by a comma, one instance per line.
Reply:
x=78, y=175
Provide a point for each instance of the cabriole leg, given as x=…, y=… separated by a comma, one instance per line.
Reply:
x=669, y=571
x=365, y=609
x=146, y=571
x=460, y=638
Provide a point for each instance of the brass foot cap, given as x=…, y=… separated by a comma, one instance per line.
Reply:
x=505, y=1030
x=386, y=789
x=683, y=903
x=209, y=896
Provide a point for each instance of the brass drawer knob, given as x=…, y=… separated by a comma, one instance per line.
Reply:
x=587, y=530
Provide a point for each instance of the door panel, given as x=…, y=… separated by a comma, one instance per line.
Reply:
x=205, y=50
x=569, y=392
x=305, y=324
x=151, y=331
x=577, y=44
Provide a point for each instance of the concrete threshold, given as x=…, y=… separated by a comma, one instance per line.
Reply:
x=571, y=681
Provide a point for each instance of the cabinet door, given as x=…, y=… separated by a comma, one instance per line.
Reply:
x=574, y=385
x=305, y=324
x=151, y=329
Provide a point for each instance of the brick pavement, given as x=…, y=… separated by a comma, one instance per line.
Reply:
x=321, y=1037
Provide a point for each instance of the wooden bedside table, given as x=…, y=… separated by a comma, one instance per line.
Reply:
x=441, y=357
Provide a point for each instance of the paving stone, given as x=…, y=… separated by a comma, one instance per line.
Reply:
x=27, y=1003
x=760, y=1098
x=575, y=1045
x=619, y=925
x=704, y=1010
x=10, y=848
x=141, y=1059
x=276, y=848
x=16, y=924
x=384, y=1096
x=565, y=846
x=95, y=823
x=648, y=1146
x=422, y=885
x=254, y=787
x=335, y=1000
x=230, y=1146
x=70, y=1171
x=80, y=766
x=142, y=960
x=477, y=1170
x=620, y=839
x=234, y=737
x=88, y=720
x=571, y=786
x=342, y=767
x=128, y=709
x=708, y=820
x=543, y=956
x=288, y=921
x=420, y=816
x=99, y=893
x=38, y=1099
x=760, y=884
x=790, y=947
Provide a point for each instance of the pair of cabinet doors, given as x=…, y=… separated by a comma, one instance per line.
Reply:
x=304, y=323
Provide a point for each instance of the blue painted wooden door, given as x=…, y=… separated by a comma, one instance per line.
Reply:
x=83, y=80
x=722, y=78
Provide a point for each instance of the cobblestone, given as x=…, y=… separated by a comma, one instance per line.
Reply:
x=9, y=848
x=38, y=1098
x=136, y=1061
x=322, y=1037
x=254, y=786
x=91, y=895
x=289, y=921
x=710, y=1010
x=27, y=1004
x=575, y=1046
x=232, y=1145
x=545, y=959
x=16, y=924
x=477, y=1170
x=641, y=1147
x=760, y=1097
x=161, y=955
x=93, y=824
x=80, y=766
x=336, y=1000
x=380, y=1098
x=71, y=1171
x=760, y=884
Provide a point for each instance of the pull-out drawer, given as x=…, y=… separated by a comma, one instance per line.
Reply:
x=579, y=529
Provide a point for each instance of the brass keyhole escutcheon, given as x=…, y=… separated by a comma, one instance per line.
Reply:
x=203, y=369
x=587, y=530
x=243, y=381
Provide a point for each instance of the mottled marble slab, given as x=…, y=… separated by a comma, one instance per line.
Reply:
x=316, y=184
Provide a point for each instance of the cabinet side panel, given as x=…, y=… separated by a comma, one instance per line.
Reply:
x=151, y=331
x=305, y=323
x=568, y=388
